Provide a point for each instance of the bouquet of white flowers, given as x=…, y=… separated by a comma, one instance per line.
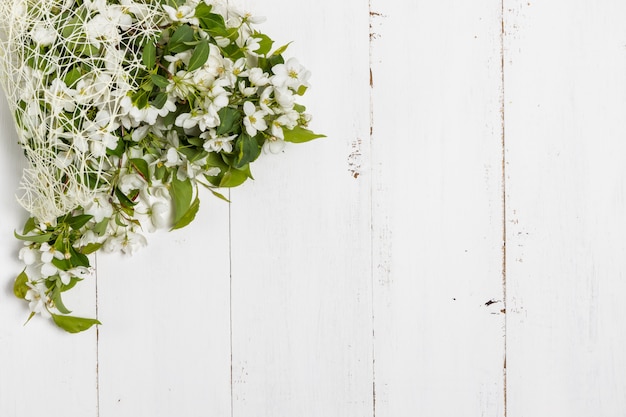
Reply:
x=124, y=107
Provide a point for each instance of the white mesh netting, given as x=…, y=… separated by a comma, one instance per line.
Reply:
x=66, y=66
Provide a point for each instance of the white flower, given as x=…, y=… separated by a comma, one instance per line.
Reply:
x=183, y=14
x=249, y=18
x=290, y=74
x=254, y=119
x=277, y=128
x=187, y=120
x=117, y=16
x=172, y=158
x=132, y=242
x=113, y=59
x=156, y=213
x=139, y=10
x=38, y=299
x=252, y=45
x=66, y=276
x=239, y=68
x=258, y=77
x=28, y=255
x=60, y=96
x=100, y=208
x=284, y=97
x=125, y=241
x=265, y=101
x=274, y=144
x=129, y=182
x=84, y=93
x=99, y=29
x=246, y=91
x=43, y=35
x=88, y=238
x=177, y=61
x=286, y=120
x=182, y=85
x=162, y=215
x=95, y=5
x=217, y=144
x=100, y=132
x=48, y=253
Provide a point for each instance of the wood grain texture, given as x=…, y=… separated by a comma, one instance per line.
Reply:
x=361, y=275
x=42, y=370
x=565, y=101
x=301, y=234
x=164, y=346
x=437, y=244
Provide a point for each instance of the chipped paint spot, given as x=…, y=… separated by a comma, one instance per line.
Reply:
x=354, y=159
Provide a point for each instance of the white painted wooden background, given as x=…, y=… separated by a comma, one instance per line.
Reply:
x=455, y=247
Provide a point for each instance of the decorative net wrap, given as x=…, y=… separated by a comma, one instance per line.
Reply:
x=41, y=42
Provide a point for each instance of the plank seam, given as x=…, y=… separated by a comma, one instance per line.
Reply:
x=97, y=340
x=230, y=304
x=371, y=138
x=504, y=207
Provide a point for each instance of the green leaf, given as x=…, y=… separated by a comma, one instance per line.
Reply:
x=29, y=226
x=159, y=80
x=219, y=195
x=90, y=248
x=248, y=150
x=160, y=100
x=265, y=43
x=78, y=259
x=72, y=284
x=199, y=56
x=159, y=171
x=101, y=227
x=170, y=118
x=86, y=49
x=203, y=10
x=73, y=324
x=299, y=135
x=79, y=221
x=149, y=54
x=299, y=108
x=123, y=199
x=188, y=216
x=141, y=166
x=72, y=77
x=35, y=238
x=275, y=60
x=58, y=302
x=214, y=24
x=140, y=99
x=233, y=178
x=183, y=34
x=195, y=141
x=193, y=155
x=281, y=50
x=19, y=286
x=181, y=193
x=230, y=119
x=301, y=90
x=119, y=150
x=62, y=264
x=73, y=25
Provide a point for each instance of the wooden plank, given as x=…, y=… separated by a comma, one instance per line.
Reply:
x=301, y=234
x=565, y=100
x=43, y=370
x=164, y=346
x=437, y=208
